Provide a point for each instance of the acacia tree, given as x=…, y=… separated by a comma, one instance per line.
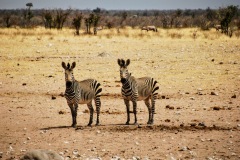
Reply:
x=28, y=15
x=225, y=16
x=177, y=16
x=61, y=17
x=210, y=16
x=88, y=22
x=77, y=22
x=92, y=19
x=7, y=19
x=96, y=19
x=47, y=19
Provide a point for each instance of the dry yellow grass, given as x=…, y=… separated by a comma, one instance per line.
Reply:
x=168, y=55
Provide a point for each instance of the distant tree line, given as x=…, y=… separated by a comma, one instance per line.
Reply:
x=90, y=20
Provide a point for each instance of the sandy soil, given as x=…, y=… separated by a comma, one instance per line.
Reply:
x=197, y=112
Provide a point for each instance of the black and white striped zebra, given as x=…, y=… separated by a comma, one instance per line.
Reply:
x=81, y=92
x=137, y=89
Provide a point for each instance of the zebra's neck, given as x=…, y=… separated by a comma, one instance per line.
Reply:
x=126, y=83
x=127, y=87
x=70, y=89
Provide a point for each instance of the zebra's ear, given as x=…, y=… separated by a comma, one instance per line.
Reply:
x=64, y=65
x=121, y=62
x=127, y=62
x=73, y=65
x=68, y=66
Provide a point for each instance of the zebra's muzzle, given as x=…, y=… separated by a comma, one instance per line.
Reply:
x=68, y=84
x=123, y=80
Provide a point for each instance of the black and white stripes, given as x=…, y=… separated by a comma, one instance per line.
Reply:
x=133, y=89
x=82, y=92
x=137, y=89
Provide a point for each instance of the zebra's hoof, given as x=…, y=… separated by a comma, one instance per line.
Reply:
x=74, y=125
x=136, y=123
x=127, y=123
x=97, y=124
x=150, y=122
x=89, y=125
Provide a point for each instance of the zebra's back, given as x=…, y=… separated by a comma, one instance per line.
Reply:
x=88, y=90
x=147, y=86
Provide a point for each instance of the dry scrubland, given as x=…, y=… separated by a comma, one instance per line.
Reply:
x=197, y=113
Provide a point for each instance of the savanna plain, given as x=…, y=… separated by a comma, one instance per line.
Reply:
x=197, y=110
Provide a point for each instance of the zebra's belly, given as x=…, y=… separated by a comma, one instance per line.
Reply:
x=77, y=101
x=84, y=101
x=141, y=98
x=127, y=98
x=73, y=101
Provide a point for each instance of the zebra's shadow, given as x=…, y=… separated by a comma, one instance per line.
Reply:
x=139, y=127
x=154, y=128
x=55, y=127
x=84, y=127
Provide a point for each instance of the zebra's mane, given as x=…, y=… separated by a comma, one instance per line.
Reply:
x=68, y=66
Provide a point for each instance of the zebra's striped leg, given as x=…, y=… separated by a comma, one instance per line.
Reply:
x=74, y=114
x=135, y=111
x=153, y=98
x=90, y=107
x=98, y=106
x=149, y=110
x=128, y=112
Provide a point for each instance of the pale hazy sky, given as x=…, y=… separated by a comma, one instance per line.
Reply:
x=118, y=4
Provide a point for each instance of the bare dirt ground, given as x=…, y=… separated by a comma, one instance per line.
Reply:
x=197, y=113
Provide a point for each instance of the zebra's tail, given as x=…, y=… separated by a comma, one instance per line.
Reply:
x=97, y=100
x=97, y=89
x=154, y=87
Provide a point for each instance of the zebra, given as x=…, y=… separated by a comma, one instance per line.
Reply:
x=137, y=89
x=81, y=92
